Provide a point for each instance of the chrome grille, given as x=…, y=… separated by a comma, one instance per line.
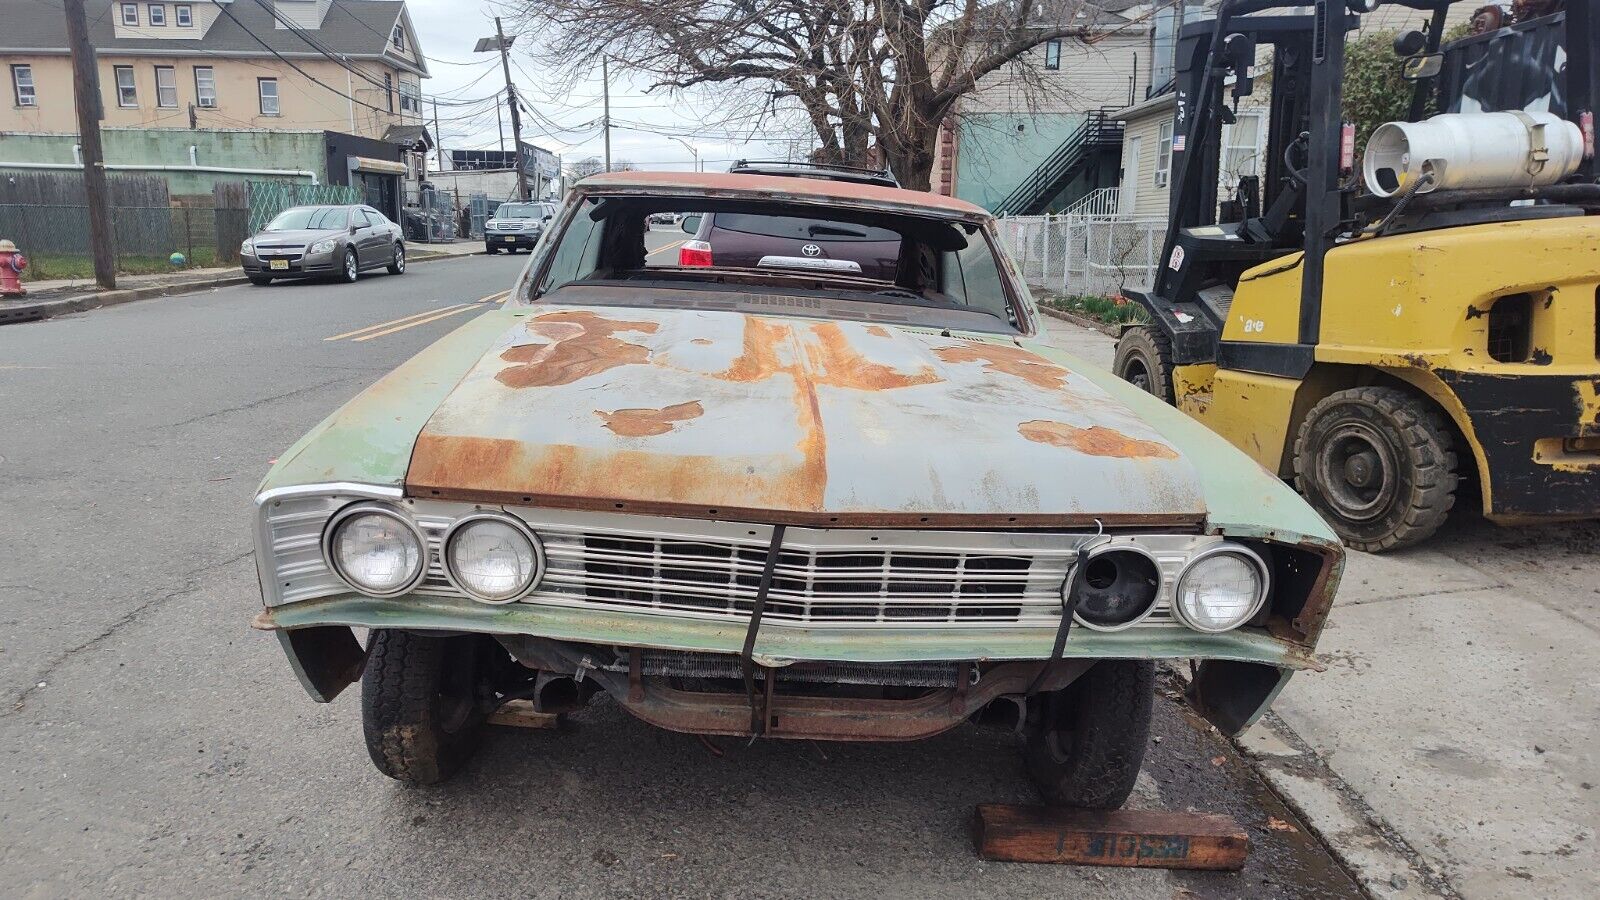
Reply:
x=702, y=569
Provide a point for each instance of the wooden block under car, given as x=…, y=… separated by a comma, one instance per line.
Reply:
x=520, y=714
x=1123, y=837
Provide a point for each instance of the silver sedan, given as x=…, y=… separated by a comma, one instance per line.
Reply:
x=337, y=241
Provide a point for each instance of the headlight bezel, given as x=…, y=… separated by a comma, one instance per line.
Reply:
x=248, y=248
x=1230, y=548
x=540, y=562
x=326, y=245
x=338, y=519
x=1125, y=546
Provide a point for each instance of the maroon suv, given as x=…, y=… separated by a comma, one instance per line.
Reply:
x=748, y=241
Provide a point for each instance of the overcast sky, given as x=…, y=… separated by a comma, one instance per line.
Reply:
x=565, y=122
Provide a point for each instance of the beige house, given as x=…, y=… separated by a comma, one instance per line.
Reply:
x=351, y=66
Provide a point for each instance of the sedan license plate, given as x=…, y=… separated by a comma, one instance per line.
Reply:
x=509, y=238
x=278, y=264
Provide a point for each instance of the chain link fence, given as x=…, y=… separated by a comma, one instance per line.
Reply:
x=1085, y=255
x=55, y=238
x=268, y=198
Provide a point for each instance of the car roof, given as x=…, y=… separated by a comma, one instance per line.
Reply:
x=780, y=187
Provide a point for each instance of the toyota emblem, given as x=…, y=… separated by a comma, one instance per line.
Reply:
x=811, y=250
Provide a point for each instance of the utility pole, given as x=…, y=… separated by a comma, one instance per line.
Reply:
x=86, y=92
x=605, y=88
x=500, y=126
x=438, y=142
x=499, y=42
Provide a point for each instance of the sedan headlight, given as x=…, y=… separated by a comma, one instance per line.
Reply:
x=325, y=245
x=493, y=558
x=375, y=549
x=1221, y=589
x=248, y=248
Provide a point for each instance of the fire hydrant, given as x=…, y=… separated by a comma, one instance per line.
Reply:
x=12, y=262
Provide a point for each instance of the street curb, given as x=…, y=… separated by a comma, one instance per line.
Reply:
x=35, y=311
x=1082, y=321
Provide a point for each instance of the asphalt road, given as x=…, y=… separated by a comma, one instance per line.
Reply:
x=151, y=743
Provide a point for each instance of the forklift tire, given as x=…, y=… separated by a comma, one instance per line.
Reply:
x=1144, y=360
x=1377, y=463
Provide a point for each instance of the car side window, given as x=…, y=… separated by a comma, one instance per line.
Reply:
x=578, y=252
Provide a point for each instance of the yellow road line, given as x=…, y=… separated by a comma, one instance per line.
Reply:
x=434, y=318
x=666, y=247
x=496, y=298
x=426, y=312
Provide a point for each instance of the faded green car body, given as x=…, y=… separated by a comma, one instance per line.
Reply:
x=370, y=442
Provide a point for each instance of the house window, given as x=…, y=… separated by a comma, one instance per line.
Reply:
x=205, y=87
x=1164, y=154
x=22, y=85
x=410, y=98
x=184, y=13
x=167, y=87
x=398, y=36
x=1052, y=55
x=388, y=91
x=127, y=91
x=1241, y=151
x=130, y=14
x=267, y=88
x=158, y=14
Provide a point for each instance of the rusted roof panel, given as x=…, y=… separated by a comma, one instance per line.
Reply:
x=782, y=187
x=721, y=413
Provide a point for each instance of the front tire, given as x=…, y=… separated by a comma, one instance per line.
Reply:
x=397, y=263
x=491, y=251
x=1086, y=742
x=1377, y=463
x=260, y=280
x=350, y=269
x=1144, y=359
x=422, y=708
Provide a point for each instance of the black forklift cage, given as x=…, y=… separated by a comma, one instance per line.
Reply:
x=1193, y=201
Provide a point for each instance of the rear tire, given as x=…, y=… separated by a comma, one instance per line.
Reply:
x=1144, y=359
x=260, y=280
x=397, y=262
x=1377, y=463
x=1087, y=741
x=422, y=703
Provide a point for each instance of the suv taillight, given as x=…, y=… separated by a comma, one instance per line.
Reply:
x=694, y=253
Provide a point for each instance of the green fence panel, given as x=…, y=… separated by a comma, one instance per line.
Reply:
x=268, y=198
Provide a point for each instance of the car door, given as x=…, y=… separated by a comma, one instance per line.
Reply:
x=373, y=239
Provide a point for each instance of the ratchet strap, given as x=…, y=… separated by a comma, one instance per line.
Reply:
x=747, y=663
x=1069, y=609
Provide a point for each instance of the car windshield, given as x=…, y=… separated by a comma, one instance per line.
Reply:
x=314, y=218
x=858, y=261
x=519, y=211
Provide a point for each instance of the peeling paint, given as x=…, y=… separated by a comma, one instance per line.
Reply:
x=650, y=422
x=1030, y=367
x=580, y=344
x=1096, y=440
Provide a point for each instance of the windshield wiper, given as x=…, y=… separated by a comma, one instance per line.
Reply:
x=814, y=230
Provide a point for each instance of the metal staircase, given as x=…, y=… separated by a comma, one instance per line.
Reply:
x=1098, y=134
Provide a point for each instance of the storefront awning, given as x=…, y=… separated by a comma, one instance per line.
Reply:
x=381, y=166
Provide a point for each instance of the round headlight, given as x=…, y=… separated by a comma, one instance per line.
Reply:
x=376, y=550
x=1221, y=589
x=1119, y=588
x=493, y=558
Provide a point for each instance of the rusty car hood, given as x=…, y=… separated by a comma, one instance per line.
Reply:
x=714, y=413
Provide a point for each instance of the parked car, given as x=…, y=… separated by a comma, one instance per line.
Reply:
x=745, y=240
x=767, y=501
x=336, y=241
x=516, y=225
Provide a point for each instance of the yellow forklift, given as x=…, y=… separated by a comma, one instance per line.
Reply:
x=1398, y=334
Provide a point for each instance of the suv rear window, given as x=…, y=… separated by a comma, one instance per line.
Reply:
x=799, y=228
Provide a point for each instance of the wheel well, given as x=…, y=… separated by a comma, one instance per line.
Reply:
x=1327, y=378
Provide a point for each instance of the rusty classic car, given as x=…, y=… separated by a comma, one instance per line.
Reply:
x=784, y=499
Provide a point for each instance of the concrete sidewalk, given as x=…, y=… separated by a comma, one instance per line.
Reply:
x=58, y=296
x=1461, y=701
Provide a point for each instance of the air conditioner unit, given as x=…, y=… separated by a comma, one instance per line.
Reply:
x=207, y=104
x=1161, y=179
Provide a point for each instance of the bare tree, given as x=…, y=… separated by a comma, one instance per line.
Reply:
x=868, y=75
x=591, y=165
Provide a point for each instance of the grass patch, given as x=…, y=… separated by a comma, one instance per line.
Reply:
x=1110, y=310
x=49, y=265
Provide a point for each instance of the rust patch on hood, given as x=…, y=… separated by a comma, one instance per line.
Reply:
x=840, y=365
x=1096, y=440
x=581, y=345
x=877, y=331
x=649, y=422
x=1030, y=367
